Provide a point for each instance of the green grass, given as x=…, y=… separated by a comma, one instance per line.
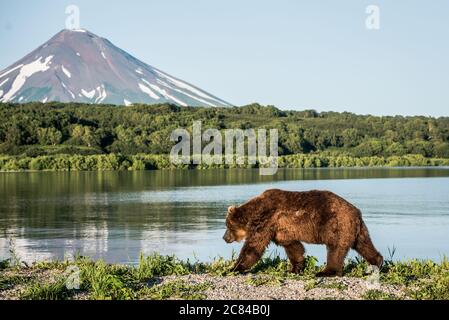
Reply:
x=311, y=284
x=265, y=280
x=47, y=291
x=106, y=282
x=218, y=267
x=378, y=295
x=411, y=271
x=436, y=288
x=177, y=289
x=4, y=264
x=157, y=266
x=10, y=281
x=277, y=266
x=333, y=285
x=419, y=279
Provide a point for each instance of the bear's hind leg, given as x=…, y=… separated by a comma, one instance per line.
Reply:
x=295, y=253
x=364, y=246
x=334, y=265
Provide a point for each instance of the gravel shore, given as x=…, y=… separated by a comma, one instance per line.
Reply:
x=246, y=287
x=167, y=278
x=241, y=287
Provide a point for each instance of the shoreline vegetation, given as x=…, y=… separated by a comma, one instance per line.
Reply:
x=81, y=137
x=75, y=136
x=159, y=277
x=138, y=162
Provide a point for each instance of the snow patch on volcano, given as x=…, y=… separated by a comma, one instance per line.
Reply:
x=27, y=71
x=148, y=91
x=88, y=94
x=66, y=72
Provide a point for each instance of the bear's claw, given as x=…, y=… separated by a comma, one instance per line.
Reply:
x=297, y=269
x=328, y=273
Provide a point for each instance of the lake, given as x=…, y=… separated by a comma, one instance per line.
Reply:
x=117, y=215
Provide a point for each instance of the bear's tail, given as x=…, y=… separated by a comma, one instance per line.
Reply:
x=364, y=246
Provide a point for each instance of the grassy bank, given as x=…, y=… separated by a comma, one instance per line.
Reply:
x=162, y=162
x=164, y=277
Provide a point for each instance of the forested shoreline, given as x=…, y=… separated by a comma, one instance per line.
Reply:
x=114, y=162
x=59, y=136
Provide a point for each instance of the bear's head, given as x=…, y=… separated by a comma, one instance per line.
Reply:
x=235, y=226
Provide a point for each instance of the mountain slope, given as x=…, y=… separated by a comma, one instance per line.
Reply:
x=78, y=66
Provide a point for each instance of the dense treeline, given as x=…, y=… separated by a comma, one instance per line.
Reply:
x=162, y=162
x=36, y=129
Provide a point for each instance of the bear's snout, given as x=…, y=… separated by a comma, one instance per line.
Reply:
x=228, y=237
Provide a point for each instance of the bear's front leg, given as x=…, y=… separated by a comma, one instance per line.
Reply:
x=251, y=252
x=295, y=253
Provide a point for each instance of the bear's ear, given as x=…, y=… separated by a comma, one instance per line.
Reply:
x=232, y=210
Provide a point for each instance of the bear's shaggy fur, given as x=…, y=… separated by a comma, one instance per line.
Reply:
x=289, y=218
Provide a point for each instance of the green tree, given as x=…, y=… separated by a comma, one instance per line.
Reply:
x=49, y=136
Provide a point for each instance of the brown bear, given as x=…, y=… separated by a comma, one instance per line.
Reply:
x=288, y=218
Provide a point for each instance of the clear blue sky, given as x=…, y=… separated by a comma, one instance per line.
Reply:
x=293, y=54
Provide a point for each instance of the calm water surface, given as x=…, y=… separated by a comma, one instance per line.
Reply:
x=117, y=215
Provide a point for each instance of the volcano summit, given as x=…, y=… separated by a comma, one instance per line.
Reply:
x=79, y=66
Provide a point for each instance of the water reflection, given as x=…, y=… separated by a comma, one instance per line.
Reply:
x=117, y=215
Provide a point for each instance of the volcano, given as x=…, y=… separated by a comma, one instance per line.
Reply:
x=79, y=66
